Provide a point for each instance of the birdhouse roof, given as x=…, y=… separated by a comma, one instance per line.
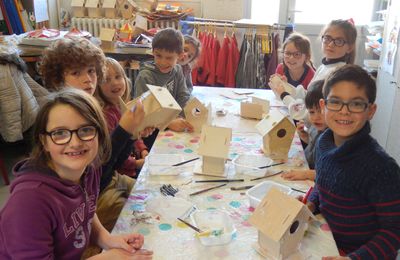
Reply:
x=276, y=214
x=215, y=141
x=107, y=34
x=193, y=103
x=164, y=97
x=109, y=3
x=272, y=120
x=92, y=3
x=77, y=3
x=126, y=28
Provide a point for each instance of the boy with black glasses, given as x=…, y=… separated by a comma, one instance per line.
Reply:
x=357, y=183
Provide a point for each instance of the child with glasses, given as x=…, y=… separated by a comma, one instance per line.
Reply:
x=51, y=212
x=357, y=184
x=338, y=47
x=309, y=135
x=78, y=63
x=297, y=68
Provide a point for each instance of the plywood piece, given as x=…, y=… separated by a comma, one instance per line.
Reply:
x=197, y=114
x=78, y=8
x=107, y=38
x=215, y=141
x=281, y=221
x=278, y=132
x=159, y=106
x=251, y=110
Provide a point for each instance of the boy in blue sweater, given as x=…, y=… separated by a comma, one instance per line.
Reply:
x=357, y=187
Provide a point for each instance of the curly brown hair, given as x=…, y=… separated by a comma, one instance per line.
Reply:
x=70, y=53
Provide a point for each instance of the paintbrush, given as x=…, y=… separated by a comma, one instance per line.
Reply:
x=221, y=180
x=205, y=190
x=267, y=166
x=267, y=176
x=185, y=162
x=190, y=225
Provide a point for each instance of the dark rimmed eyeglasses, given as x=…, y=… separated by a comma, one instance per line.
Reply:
x=354, y=106
x=339, y=42
x=64, y=136
x=296, y=55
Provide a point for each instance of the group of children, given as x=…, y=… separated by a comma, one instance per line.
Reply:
x=69, y=193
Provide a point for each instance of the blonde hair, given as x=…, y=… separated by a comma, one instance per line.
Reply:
x=116, y=66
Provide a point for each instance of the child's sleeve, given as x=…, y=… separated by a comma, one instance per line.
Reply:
x=182, y=94
x=142, y=79
x=384, y=197
x=121, y=149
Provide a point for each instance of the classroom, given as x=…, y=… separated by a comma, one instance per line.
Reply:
x=199, y=129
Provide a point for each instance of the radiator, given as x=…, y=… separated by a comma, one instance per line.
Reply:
x=93, y=25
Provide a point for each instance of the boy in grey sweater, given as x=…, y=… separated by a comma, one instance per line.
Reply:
x=164, y=71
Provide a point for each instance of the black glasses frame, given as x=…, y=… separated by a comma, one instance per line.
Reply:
x=339, y=42
x=347, y=104
x=71, y=132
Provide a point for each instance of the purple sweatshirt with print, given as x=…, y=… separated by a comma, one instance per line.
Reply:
x=47, y=217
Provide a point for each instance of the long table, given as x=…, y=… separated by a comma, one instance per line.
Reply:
x=170, y=239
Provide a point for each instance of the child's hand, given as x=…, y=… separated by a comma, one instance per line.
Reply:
x=304, y=136
x=130, y=120
x=139, y=163
x=117, y=253
x=129, y=242
x=277, y=88
x=180, y=125
x=295, y=175
x=146, y=132
x=144, y=154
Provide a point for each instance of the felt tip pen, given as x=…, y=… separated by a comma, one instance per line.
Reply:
x=308, y=193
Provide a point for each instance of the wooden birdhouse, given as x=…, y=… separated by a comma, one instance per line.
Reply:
x=110, y=8
x=107, y=38
x=126, y=33
x=197, y=114
x=281, y=221
x=277, y=132
x=78, y=8
x=159, y=106
x=149, y=5
x=127, y=8
x=214, y=147
x=93, y=7
x=256, y=108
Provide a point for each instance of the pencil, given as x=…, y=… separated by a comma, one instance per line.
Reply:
x=267, y=176
x=222, y=180
x=308, y=193
x=205, y=190
x=185, y=162
x=267, y=166
x=298, y=190
x=190, y=225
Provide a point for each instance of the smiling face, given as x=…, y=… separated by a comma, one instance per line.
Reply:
x=316, y=118
x=115, y=86
x=343, y=123
x=82, y=78
x=165, y=60
x=189, y=53
x=293, y=58
x=330, y=50
x=71, y=159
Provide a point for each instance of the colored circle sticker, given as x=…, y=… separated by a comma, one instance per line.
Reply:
x=164, y=227
x=144, y=231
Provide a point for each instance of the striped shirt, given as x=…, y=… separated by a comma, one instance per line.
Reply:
x=358, y=192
